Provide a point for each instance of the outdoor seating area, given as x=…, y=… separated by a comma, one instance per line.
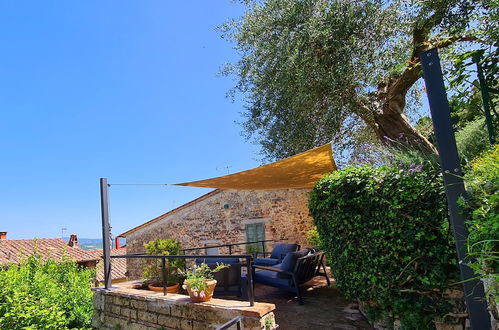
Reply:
x=296, y=273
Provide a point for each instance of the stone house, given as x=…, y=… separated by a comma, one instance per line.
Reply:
x=227, y=216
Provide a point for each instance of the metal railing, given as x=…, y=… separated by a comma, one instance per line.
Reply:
x=164, y=268
x=229, y=246
x=235, y=321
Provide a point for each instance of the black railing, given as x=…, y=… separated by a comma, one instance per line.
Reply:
x=235, y=321
x=229, y=246
x=164, y=269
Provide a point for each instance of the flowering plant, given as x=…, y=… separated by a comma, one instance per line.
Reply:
x=196, y=276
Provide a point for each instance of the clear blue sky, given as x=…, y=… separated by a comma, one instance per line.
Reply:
x=126, y=90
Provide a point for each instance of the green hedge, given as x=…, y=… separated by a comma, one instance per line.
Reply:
x=385, y=232
x=41, y=294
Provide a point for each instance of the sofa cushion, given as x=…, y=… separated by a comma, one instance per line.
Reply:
x=282, y=249
x=289, y=261
x=266, y=261
x=270, y=278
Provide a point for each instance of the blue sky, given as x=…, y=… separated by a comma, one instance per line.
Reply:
x=127, y=90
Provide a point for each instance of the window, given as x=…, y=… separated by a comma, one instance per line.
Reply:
x=255, y=232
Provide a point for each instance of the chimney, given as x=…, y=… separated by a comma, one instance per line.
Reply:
x=3, y=235
x=117, y=242
x=73, y=240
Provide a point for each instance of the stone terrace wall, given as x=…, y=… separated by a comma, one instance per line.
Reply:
x=126, y=308
x=284, y=212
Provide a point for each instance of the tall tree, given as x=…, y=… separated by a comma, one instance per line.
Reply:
x=313, y=71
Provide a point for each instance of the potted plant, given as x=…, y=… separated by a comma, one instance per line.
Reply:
x=200, y=282
x=153, y=271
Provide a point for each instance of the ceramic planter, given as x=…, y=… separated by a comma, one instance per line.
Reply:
x=204, y=295
x=159, y=288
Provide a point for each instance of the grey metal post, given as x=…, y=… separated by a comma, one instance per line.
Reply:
x=454, y=185
x=104, y=190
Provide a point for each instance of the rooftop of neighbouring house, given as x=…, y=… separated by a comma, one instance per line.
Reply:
x=118, y=265
x=13, y=250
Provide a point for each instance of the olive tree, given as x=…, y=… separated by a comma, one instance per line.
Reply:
x=314, y=71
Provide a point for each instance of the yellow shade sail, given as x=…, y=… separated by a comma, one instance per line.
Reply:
x=299, y=171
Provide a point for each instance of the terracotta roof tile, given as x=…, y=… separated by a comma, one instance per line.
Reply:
x=11, y=250
x=118, y=265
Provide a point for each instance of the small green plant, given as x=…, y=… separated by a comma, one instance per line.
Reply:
x=163, y=247
x=313, y=238
x=196, y=276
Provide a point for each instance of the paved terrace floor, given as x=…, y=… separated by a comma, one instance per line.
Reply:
x=324, y=308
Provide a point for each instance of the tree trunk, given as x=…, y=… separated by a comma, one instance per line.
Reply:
x=392, y=126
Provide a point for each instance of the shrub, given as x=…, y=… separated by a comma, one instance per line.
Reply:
x=472, y=140
x=482, y=183
x=49, y=294
x=313, y=238
x=385, y=233
x=163, y=247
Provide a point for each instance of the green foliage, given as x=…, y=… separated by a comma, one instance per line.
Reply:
x=163, y=247
x=196, y=275
x=482, y=182
x=313, y=238
x=386, y=236
x=472, y=140
x=49, y=294
x=314, y=71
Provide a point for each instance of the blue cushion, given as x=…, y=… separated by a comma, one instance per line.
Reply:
x=270, y=278
x=282, y=248
x=266, y=261
x=289, y=261
x=227, y=261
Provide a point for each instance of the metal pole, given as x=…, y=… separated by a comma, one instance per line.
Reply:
x=454, y=186
x=485, y=97
x=104, y=191
x=249, y=277
x=165, y=276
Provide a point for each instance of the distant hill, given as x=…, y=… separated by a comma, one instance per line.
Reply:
x=92, y=243
x=88, y=243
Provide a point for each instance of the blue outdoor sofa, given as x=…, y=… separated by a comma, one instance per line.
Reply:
x=295, y=269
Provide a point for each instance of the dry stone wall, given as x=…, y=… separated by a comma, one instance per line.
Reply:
x=127, y=308
x=221, y=218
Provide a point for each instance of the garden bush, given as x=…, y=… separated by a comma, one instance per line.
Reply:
x=482, y=183
x=386, y=235
x=48, y=294
x=472, y=140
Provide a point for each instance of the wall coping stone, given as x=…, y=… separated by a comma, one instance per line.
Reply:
x=126, y=289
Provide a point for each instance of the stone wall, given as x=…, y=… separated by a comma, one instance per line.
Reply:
x=206, y=220
x=125, y=308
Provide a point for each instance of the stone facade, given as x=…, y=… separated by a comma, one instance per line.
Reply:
x=127, y=308
x=220, y=217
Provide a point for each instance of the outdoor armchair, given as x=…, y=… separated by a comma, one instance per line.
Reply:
x=279, y=251
x=296, y=269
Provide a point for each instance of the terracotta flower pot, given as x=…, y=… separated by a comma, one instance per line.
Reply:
x=159, y=288
x=204, y=295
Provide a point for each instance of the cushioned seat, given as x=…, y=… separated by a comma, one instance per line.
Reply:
x=278, y=253
x=268, y=277
x=295, y=269
x=266, y=261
